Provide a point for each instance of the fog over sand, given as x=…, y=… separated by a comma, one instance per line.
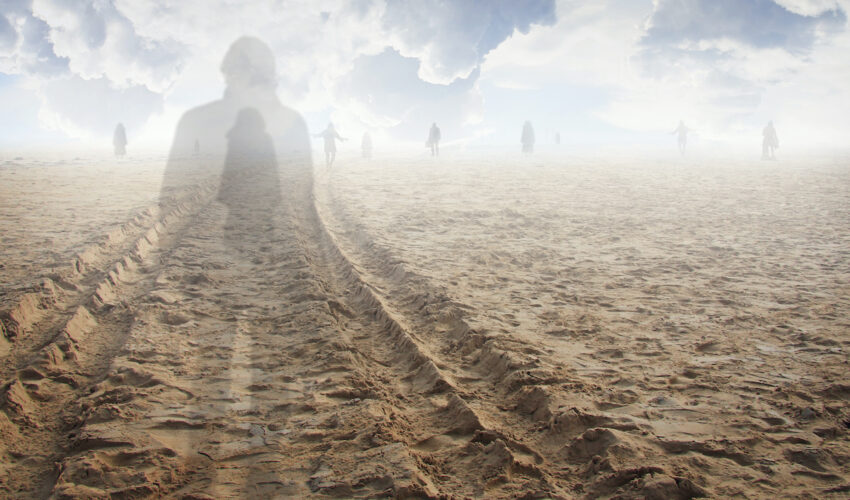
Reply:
x=492, y=326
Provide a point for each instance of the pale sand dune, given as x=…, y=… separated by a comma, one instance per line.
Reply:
x=500, y=328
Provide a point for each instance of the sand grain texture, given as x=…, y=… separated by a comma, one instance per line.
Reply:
x=497, y=328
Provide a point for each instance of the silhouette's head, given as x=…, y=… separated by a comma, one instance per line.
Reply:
x=434, y=124
x=330, y=126
x=770, y=123
x=249, y=63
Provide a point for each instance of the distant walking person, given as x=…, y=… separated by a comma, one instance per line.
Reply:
x=682, y=130
x=769, y=143
x=366, y=145
x=434, y=140
x=330, y=135
x=119, y=140
x=527, y=138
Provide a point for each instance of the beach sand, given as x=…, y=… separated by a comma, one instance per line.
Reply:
x=500, y=326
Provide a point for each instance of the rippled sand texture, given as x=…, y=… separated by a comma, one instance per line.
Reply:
x=503, y=327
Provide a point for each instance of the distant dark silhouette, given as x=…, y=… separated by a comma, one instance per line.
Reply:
x=119, y=140
x=434, y=137
x=330, y=136
x=557, y=138
x=682, y=130
x=527, y=138
x=769, y=143
x=250, y=74
x=250, y=185
x=366, y=145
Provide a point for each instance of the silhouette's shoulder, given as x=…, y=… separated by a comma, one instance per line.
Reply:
x=200, y=114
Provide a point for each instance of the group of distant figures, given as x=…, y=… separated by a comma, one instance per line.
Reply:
x=250, y=58
x=769, y=143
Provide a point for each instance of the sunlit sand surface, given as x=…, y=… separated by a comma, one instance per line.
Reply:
x=501, y=326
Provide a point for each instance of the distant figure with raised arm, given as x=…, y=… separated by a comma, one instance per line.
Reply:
x=527, y=138
x=434, y=140
x=366, y=145
x=119, y=140
x=682, y=131
x=330, y=136
x=769, y=143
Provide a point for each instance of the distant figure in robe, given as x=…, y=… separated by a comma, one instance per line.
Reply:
x=119, y=140
x=330, y=136
x=366, y=145
x=769, y=143
x=682, y=130
x=434, y=137
x=527, y=138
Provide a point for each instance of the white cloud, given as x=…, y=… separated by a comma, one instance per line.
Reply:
x=722, y=65
x=173, y=49
x=84, y=108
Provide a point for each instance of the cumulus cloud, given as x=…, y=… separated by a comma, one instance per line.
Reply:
x=683, y=24
x=392, y=63
x=99, y=41
x=25, y=46
x=717, y=58
x=451, y=38
x=808, y=7
x=93, y=107
x=173, y=49
x=386, y=91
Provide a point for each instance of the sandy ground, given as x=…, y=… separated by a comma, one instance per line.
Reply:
x=495, y=327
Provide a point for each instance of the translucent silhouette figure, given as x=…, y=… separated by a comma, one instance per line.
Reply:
x=434, y=137
x=119, y=140
x=527, y=138
x=682, y=130
x=197, y=147
x=366, y=145
x=250, y=186
x=557, y=138
x=257, y=162
x=330, y=136
x=769, y=143
x=250, y=75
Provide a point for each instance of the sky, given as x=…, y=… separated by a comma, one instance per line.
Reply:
x=602, y=73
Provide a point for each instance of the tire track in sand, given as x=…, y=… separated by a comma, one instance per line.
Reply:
x=261, y=365
x=61, y=338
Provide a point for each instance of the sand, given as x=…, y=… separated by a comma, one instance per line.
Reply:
x=492, y=327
